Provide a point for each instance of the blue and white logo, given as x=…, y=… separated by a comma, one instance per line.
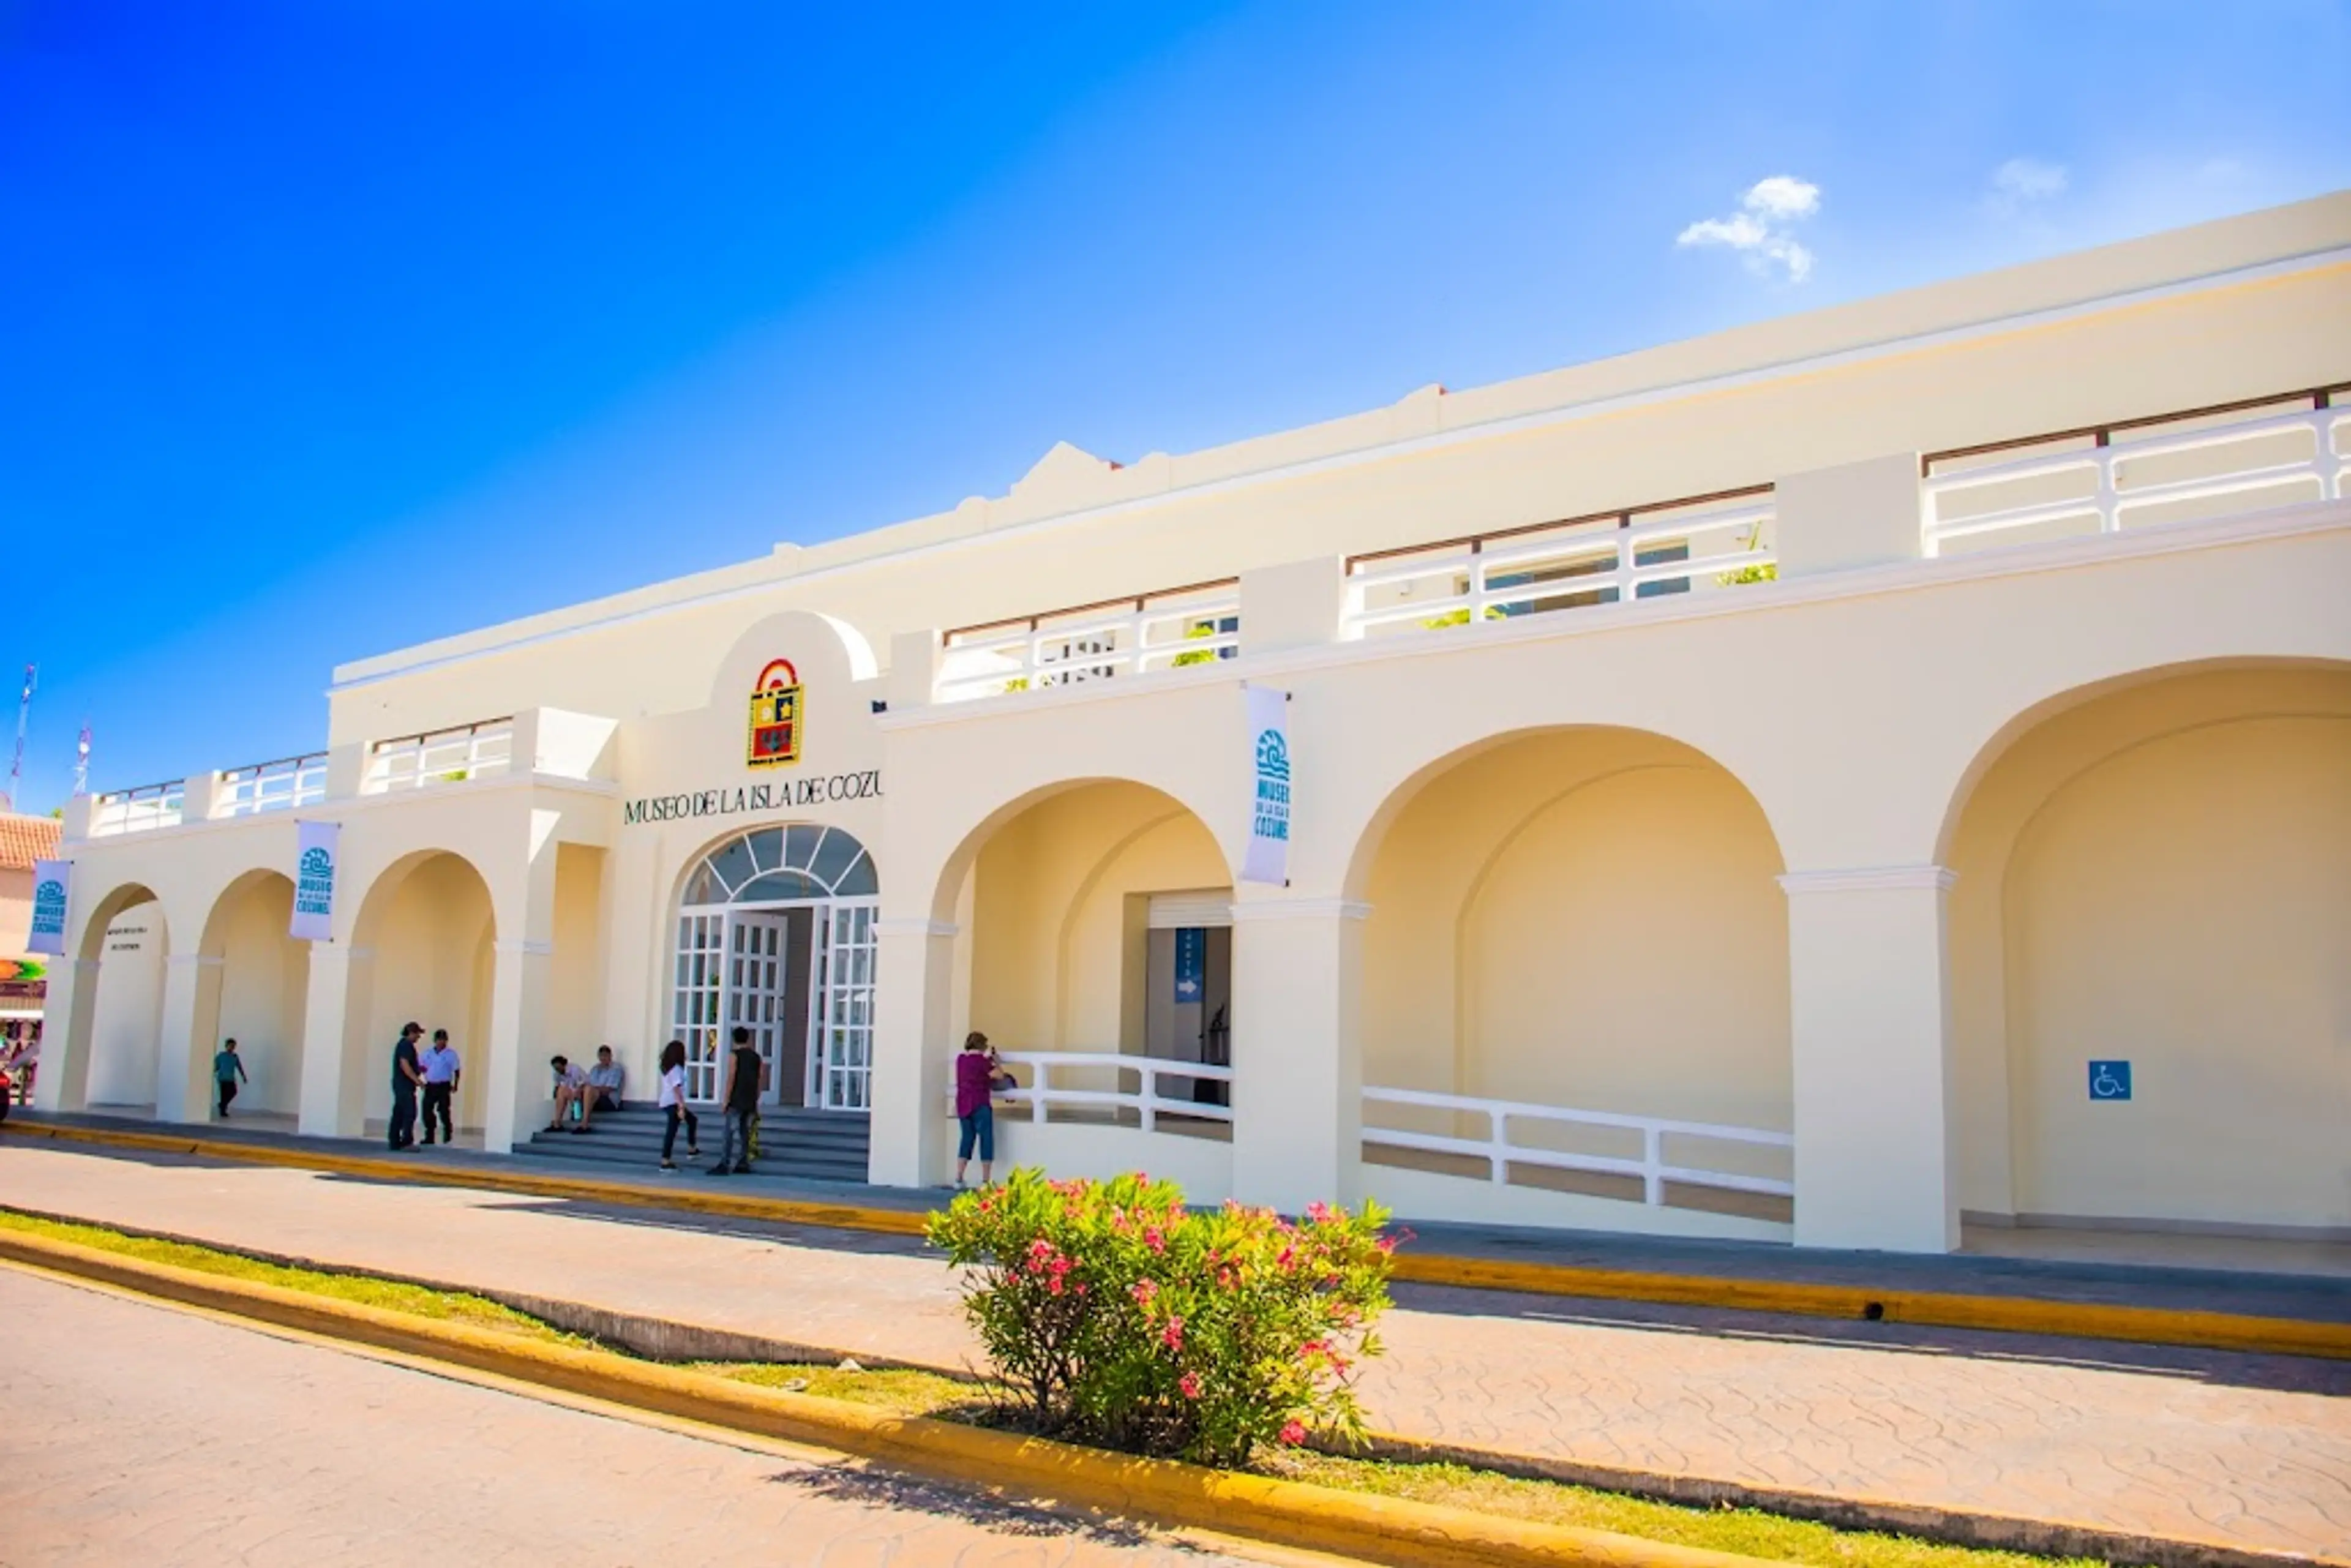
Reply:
x=314, y=882
x=2110, y=1081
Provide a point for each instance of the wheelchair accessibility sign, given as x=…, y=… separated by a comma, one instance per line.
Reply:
x=2110, y=1081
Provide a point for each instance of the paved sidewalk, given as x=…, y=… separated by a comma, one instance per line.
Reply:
x=2249, y=1451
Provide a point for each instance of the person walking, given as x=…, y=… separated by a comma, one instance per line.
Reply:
x=442, y=1071
x=228, y=1070
x=977, y=1076
x=405, y=1080
x=746, y=1077
x=672, y=1100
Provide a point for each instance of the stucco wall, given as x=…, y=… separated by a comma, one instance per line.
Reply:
x=125, y=1027
x=1584, y=918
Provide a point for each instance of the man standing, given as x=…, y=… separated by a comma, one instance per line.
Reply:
x=746, y=1077
x=227, y=1070
x=405, y=1078
x=441, y=1069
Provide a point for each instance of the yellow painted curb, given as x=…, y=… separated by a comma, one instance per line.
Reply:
x=1323, y=1519
x=1933, y=1309
x=2012, y=1314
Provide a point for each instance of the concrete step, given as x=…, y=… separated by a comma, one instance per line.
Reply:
x=829, y=1146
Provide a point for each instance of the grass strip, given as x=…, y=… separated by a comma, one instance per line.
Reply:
x=904, y=1392
x=449, y=1306
x=1748, y=1532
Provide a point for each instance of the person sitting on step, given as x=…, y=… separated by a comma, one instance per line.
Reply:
x=571, y=1092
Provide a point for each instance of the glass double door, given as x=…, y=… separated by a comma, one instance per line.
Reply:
x=801, y=979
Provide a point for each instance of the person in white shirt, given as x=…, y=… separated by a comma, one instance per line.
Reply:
x=672, y=1099
x=570, y=1089
x=606, y=1079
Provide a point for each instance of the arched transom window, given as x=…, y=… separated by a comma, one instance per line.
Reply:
x=772, y=865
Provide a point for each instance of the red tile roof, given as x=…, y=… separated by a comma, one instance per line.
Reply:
x=23, y=839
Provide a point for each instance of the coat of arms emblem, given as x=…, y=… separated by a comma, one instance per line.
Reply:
x=775, y=716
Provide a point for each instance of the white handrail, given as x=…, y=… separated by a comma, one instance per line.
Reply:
x=440, y=756
x=138, y=811
x=1501, y=1152
x=2111, y=500
x=272, y=786
x=1148, y=1101
x=1049, y=652
x=1613, y=553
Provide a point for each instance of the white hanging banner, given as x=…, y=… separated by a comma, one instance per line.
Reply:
x=49, y=881
x=314, y=880
x=1267, y=859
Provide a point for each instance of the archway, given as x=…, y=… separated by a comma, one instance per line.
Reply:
x=258, y=996
x=776, y=933
x=1577, y=949
x=2159, y=875
x=113, y=1048
x=423, y=952
x=1093, y=946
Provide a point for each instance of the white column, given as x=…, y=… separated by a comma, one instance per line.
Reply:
x=1298, y=1072
x=1871, y=1013
x=914, y=987
x=334, y=1080
x=182, y=1057
x=520, y=1098
x=63, y=1082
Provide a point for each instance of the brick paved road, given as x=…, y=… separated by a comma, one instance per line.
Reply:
x=132, y=1434
x=2247, y=1450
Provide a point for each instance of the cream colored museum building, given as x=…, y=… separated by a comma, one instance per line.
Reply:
x=1808, y=783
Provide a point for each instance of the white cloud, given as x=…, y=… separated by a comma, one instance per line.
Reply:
x=2021, y=182
x=1758, y=231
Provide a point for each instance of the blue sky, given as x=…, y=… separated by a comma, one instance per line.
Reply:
x=302, y=296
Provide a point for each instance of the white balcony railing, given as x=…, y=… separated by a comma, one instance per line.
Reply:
x=1675, y=547
x=138, y=811
x=277, y=786
x=442, y=757
x=2239, y=455
x=1146, y=1102
x=1501, y=1149
x=1195, y=625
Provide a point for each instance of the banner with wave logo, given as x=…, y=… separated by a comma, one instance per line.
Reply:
x=314, y=880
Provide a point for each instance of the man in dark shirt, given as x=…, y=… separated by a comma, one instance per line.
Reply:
x=745, y=1076
x=405, y=1078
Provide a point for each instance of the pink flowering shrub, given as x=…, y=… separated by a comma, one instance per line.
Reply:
x=1115, y=1315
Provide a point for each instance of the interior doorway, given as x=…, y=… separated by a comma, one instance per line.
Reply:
x=1188, y=985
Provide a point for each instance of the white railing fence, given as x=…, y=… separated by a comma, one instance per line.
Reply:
x=1149, y=1099
x=1567, y=566
x=277, y=786
x=1500, y=1150
x=1198, y=625
x=137, y=810
x=2298, y=455
x=442, y=756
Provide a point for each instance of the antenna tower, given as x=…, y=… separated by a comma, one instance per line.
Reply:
x=24, y=712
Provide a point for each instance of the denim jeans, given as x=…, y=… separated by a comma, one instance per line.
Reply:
x=978, y=1127
x=669, y=1133
x=738, y=1126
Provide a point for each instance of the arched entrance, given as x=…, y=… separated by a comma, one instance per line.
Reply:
x=1576, y=981
x=776, y=933
x=264, y=978
x=423, y=951
x=2160, y=876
